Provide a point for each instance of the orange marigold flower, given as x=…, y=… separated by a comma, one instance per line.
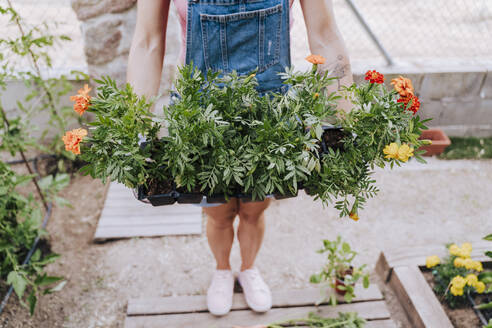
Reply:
x=72, y=140
x=374, y=77
x=316, y=59
x=403, y=86
x=354, y=216
x=415, y=103
x=82, y=99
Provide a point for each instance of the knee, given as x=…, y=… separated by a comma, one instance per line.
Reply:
x=223, y=220
x=252, y=215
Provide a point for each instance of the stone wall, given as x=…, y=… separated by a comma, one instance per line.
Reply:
x=107, y=29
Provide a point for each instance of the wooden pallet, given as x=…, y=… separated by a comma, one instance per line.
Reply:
x=191, y=311
x=400, y=269
x=124, y=216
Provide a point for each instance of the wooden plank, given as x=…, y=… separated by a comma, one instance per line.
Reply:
x=416, y=256
x=388, y=323
x=183, y=218
x=417, y=298
x=198, y=303
x=123, y=216
x=104, y=233
x=375, y=310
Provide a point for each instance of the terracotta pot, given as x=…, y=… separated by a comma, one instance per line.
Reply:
x=439, y=141
x=339, y=282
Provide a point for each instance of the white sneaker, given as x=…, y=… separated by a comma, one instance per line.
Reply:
x=219, y=294
x=256, y=291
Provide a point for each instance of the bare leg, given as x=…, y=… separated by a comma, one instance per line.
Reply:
x=251, y=230
x=220, y=231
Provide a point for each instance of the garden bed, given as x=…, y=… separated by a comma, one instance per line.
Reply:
x=401, y=269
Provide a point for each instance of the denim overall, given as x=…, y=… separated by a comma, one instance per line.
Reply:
x=240, y=35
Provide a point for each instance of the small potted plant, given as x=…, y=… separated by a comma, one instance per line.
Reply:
x=339, y=273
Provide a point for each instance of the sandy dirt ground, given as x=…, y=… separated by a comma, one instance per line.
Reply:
x=438, y=203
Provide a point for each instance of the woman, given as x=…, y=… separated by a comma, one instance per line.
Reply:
x=235, y=35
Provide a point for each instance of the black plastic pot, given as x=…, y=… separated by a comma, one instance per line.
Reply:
x=157, y=200
x=278, y=195
x=324, y=147
x=189, y=198
x=218, y=198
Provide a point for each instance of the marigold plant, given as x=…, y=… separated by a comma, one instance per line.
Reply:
x=457, y=274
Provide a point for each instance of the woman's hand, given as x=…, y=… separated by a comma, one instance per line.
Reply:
x=325, y=40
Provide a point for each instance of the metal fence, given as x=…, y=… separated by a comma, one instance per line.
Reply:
x=418, y=30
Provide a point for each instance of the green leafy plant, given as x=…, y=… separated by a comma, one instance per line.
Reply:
x=338, y=273
x=344, y=320
x=486, y=278
x=113, y=150
x=20, y=225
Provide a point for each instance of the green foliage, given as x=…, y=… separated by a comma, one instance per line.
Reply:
x=20, y=214
x=339, y=266
x=468, y=148
x=226, y=138
x=112, y=150
x=344, y=320
x=376, y=120
x=20, y=225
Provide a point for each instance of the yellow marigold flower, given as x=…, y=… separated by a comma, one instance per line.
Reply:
x=432, y=261
x=405, y=152
x=456, y=291
x=480, y=287
x=477, y=265
x=458, y=282
x=316, y=59
x=459, y=262
x=471, y=279
x=316, y=95
x=454, y=250
x=469, y=263
x=391, y=151
x=354, y=216
x=467, y=247
x=464, y=253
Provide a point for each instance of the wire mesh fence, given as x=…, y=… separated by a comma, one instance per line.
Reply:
x=417, y=30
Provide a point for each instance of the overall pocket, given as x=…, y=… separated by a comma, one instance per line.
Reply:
x=242, y=41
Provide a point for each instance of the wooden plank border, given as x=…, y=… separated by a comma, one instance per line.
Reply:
x=198, y=303
x=401, y=270
x=372, y=311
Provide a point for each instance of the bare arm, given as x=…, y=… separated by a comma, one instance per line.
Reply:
x=325, y=39
x=148, y=46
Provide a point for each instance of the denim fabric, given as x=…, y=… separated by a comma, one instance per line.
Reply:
x=240, y=35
